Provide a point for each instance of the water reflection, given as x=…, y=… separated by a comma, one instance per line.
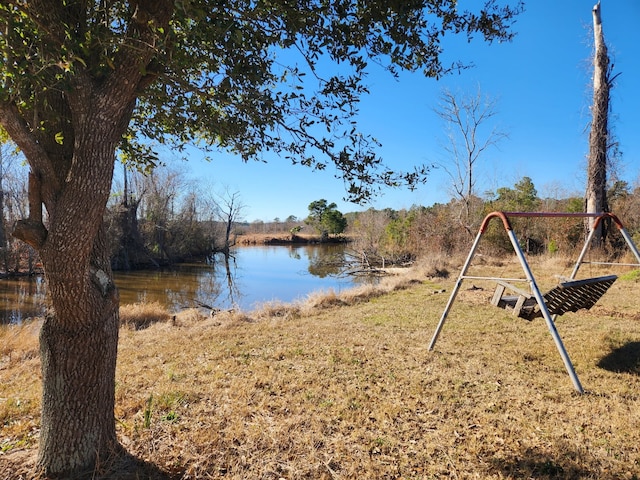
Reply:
x=285, y=273
x=175, y=288
x=21, y=298
x=326, y=262
x=251, y=276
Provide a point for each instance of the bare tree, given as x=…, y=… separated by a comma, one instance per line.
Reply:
x=370, y=232
x=230, y=210
x=159, y=217
x=466, y=118
x=600, y=142
x=163, y=193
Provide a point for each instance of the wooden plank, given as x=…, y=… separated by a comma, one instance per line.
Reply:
x=578, y=294
x=515, y=289
x=589, y=281
x=497, y=295
x=568, y=296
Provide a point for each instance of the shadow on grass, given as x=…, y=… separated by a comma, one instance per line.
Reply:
x=537, y=465
x=129, y=467
x=623, y=359
x=20, y=465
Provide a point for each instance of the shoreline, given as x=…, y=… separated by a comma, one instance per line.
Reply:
x=286, y=239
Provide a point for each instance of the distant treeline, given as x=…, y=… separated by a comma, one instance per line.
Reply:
x=161, y=219
x=449, y=229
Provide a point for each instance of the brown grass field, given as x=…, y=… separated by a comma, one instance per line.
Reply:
x=343, y=387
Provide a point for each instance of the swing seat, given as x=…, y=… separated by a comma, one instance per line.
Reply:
x=569, y=296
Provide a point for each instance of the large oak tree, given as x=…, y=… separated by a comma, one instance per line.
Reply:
x=82, y=79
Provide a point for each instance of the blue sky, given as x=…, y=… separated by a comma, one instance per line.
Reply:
x=541, y=84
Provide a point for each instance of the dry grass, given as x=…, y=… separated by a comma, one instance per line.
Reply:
x=139, y=316
x=276, y=238
x=20, y=387
x=343, y=387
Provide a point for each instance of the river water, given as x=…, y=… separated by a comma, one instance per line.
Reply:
x=253, y=275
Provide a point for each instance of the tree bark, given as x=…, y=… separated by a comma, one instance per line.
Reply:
x=596, y=191
x=79, y=336
x=78, y=348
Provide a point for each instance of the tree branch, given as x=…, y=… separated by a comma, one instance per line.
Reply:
x=23, y=137
x=136, y=53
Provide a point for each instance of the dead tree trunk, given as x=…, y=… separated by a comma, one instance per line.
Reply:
x=596, y=192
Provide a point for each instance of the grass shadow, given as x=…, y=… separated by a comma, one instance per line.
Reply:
x=537, y=465
x=623, y=359
x=21, y=465
x=130, y=467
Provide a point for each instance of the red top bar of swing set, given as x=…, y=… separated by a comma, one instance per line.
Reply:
x=504, y=216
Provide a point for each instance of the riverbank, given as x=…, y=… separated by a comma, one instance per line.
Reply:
x=343, y=386
x=285, y=238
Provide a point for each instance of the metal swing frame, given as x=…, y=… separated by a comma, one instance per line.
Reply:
x=544, y=310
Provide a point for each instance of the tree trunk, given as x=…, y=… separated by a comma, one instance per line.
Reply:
x=78, y=347
x=596, y=192
x=67, y=116
x=79, y=336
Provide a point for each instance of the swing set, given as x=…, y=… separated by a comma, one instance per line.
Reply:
x=570, y=295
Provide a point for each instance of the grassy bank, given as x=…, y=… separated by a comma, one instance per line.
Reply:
x=285, y=238
x=343, y=386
